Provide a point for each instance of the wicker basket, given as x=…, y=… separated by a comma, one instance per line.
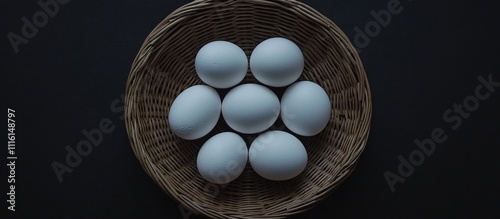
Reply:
x=164, y=67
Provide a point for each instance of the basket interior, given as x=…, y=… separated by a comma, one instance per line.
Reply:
x=164, y=67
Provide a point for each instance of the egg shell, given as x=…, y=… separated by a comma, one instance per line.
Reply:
x=195, y=112
x=250, y=108
x=305, y=108
x=277, y=62
x=222, y=158
x=221, y=64
x=277, y=155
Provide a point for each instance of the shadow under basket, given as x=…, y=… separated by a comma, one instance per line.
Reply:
x=164, y=67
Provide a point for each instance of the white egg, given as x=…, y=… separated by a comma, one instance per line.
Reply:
x=250, y=108
x=195, y=112
x=305, y=108
x=277, y=155
x=277, y=62
x=221, y=64
x=222, y=158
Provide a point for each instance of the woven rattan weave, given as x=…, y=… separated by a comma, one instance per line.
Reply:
x=164, y=67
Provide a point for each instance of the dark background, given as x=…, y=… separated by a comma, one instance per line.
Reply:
x=66, y=78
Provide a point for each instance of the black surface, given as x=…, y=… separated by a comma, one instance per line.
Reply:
x=70, y=76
